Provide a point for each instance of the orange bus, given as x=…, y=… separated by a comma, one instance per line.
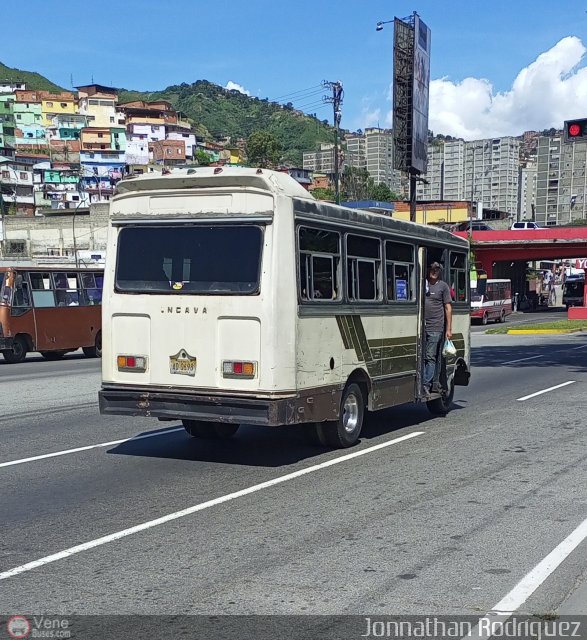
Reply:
x=50, y=310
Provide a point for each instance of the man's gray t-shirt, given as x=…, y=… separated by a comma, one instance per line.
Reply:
x=437, y=295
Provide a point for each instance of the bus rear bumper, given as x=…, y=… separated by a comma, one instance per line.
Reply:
x=174, y=405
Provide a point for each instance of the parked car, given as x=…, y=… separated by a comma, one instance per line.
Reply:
x=475, y=226
x=519, y=226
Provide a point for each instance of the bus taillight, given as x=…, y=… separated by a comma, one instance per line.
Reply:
x=137, y=364
x=238, y=369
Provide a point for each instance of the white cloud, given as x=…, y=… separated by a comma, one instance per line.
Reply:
x=230, y=85
x=548, y=91
x=369, y=118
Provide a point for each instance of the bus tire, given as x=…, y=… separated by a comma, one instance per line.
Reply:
x=345, y=431
x=441, y=406
x=53, y=355
x=485, y=318
x=18, y=352
x=210, y=430
x=96, y=350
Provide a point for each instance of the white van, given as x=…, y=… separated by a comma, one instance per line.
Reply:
x=518, y=226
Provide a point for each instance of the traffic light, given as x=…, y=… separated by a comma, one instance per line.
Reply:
x=575, y=130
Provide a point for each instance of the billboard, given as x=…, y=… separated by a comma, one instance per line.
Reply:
x=420, y=95
x=411, y=80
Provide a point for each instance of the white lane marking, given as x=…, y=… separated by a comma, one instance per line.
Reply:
x=87, y=448
x=583, y=346
x=521, y=359
x=199, y=507
x=539, y=393
x=507, y=606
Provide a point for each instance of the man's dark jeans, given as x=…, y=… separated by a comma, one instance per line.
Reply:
x=431, y=356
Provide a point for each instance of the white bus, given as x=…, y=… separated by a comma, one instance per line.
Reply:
x=232, y=296
x=493, y=302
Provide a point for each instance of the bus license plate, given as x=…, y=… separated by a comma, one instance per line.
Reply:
x=182, y=364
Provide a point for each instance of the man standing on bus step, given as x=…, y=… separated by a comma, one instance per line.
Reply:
x=437, y=323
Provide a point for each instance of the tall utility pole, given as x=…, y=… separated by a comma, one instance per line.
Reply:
x=336, y=101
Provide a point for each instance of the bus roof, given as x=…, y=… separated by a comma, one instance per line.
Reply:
x=201, y=177
x=280, y=183
x=377, y=222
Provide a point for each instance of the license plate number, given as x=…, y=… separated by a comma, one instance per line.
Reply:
x=183, y=367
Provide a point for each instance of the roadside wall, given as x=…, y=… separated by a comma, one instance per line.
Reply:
x=48, y=235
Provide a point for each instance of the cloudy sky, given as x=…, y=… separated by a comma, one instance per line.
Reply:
x=498, y=67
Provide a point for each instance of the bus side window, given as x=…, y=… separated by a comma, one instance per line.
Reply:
x=399, y=271
x=90, y=293
x=363, y=268
x=319, y=264
x=458, y=276
x=43, y=295
x=21, y=297
x=66, y=292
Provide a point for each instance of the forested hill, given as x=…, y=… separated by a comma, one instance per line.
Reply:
x=218, y=112
x=33, y=80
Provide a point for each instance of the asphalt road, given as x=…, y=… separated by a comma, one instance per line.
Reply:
x=448, y=521
x=551, y=314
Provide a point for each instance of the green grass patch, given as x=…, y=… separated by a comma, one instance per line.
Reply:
x=577, y=325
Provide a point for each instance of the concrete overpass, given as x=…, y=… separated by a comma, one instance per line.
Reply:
x=506, y=252
x=554, y=243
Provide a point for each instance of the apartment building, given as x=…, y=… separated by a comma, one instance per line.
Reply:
x=16, y=186
x=561, y=181
x=379, y=155
x=98, y=104
x=433, y=187
x=373, y=151
x=492, y=173
x=356, y=155
x=527, y=190
x=485, y=171
x=55, y=104
x=321, y=161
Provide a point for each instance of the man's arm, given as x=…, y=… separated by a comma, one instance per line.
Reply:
x=448, y=313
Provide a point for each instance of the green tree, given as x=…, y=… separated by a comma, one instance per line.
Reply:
x=263, y=149
x=323, y=194
x=202, y=158
x=356, y=184
x=383, y=193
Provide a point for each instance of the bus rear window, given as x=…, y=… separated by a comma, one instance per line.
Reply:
x=202, y=259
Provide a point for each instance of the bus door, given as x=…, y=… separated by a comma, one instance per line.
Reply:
x=22, y=317
x=426, y=256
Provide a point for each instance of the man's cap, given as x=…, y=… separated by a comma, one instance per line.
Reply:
x=435, y=265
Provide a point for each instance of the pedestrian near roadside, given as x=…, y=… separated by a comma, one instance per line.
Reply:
x=437, y=324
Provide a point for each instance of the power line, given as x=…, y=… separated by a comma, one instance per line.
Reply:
x=293, y=93
x=312, y=104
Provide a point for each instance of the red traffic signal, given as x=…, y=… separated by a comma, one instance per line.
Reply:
x=575, y=130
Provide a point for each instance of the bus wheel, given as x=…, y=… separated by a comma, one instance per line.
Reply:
x=345, y=431
x=53, y=355
x=212, y=430
x=18, y=352
x=96, y=350
x=441, y=406
x=485, y=318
